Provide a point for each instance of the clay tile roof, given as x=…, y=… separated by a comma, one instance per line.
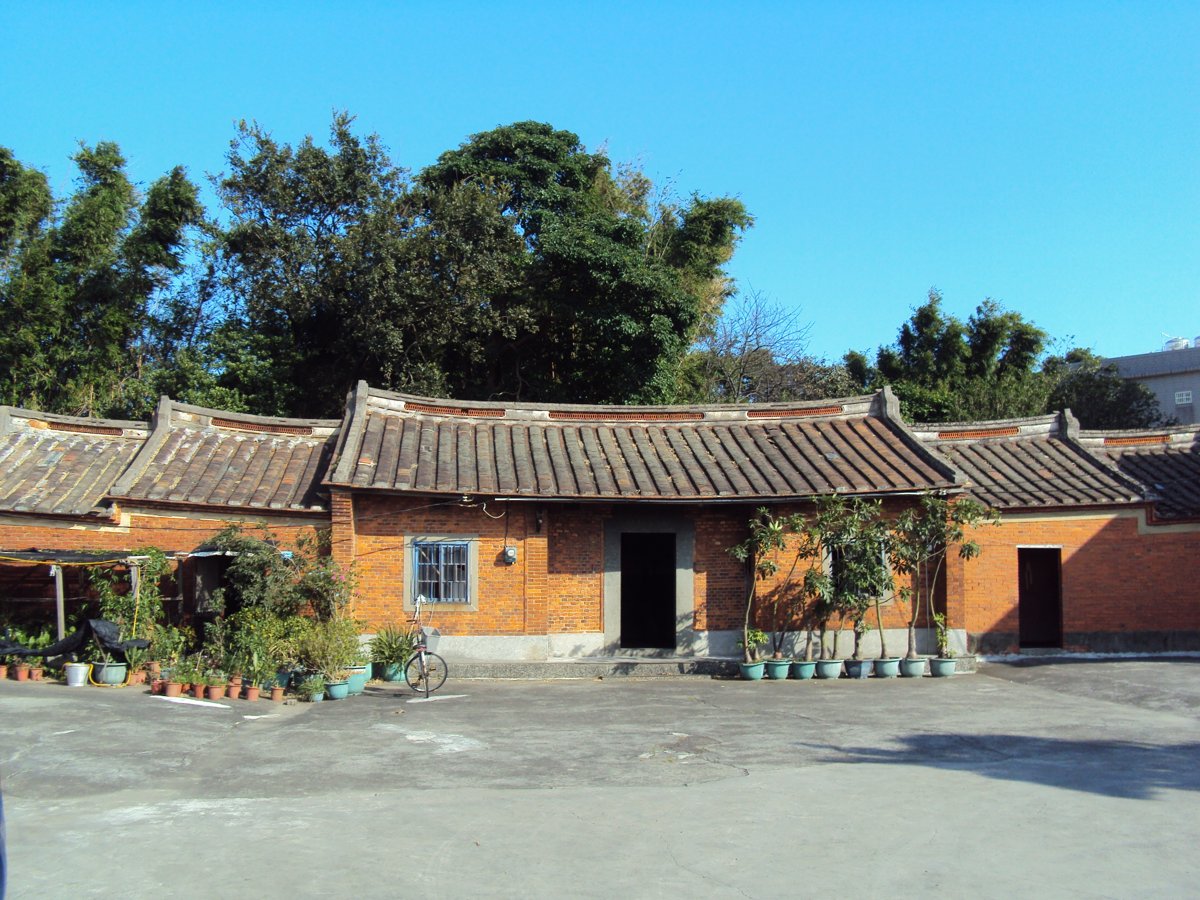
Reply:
x=1165, y=462
x=205, y=457
x=393, y=442
x=1027, y=463
x=62, y=465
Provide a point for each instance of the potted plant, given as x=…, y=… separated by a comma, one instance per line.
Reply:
x=312, y=688
x=358, y=673
x=752, y=667
x=390, y=649
x=944, y=663
x=760, y=550
x=921, y=537
x=216, y=683
x=330, y=647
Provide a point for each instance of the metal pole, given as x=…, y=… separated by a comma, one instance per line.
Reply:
x=59, y=602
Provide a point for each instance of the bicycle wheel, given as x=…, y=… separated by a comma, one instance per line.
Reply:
x=431, y=678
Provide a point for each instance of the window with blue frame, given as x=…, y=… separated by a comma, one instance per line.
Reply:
x=442, y=570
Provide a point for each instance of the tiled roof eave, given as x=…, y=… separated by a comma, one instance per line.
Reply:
x=726, y=497
x=132, y=503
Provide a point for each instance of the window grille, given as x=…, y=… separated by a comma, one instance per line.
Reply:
x=1183, y=398
x=442, y=571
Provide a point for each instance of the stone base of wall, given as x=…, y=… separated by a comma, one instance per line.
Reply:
x=691, y=645
x=997, y=642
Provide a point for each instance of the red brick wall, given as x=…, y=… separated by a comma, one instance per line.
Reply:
x=512, y=599
x=721, y=583
x=171, y=532
x=575, y=563
x=1114, y=579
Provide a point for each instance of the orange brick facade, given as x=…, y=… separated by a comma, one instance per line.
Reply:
x=1119, y=576
x=30, y=590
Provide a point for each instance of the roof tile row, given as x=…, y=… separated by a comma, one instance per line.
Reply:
x=191, y=456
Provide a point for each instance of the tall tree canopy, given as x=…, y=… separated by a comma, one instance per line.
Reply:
x=992, y=367
x=79, y=282
x=517, y=266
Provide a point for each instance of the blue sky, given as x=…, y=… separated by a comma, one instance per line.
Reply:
x=1045, y=154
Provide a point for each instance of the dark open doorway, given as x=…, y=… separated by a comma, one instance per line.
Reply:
x=1040, y=599
x=648, y=590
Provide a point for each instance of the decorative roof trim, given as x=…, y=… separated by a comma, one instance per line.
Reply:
x=1150, y=439
x=260, y=428
x=109, y=430
x=799, y=412
x=440, y=410
x=632, y=416
x=965, y=435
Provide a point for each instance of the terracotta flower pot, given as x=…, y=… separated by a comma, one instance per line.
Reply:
x=172, y=689
x=137, y=677
x=198, y=691
x=276, y=694
x=156, y=686
x=22, y=671
x=252, y=692
x=3, y=670
x=216, y=691
x=233, y=690
x=35, y=673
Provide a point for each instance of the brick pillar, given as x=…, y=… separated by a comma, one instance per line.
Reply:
x=342, y=529
x=537, y=570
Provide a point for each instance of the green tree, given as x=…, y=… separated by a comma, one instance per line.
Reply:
x=1097, y=395
x=77, y=289
x=943, y=369
x=611, y=286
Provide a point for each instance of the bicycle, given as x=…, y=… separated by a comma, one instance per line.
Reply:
x=424, y=670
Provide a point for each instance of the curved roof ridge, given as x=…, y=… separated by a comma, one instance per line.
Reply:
x=851, y=405
x=218, y=418
x=1048, y=425
x=84, y=423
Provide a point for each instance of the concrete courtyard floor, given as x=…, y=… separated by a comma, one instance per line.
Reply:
x=1058, y=779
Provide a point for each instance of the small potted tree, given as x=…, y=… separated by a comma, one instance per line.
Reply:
x=921, y=537
x=330, y=648
x=760, y=550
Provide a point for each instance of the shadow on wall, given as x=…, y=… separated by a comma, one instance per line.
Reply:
x=1124, y=769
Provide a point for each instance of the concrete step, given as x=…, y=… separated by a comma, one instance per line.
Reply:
x=591, y=668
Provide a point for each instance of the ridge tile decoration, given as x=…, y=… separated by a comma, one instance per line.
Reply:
x=661, y=453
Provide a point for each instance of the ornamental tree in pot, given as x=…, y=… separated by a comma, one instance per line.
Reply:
x=921, y=537
x=760, y=550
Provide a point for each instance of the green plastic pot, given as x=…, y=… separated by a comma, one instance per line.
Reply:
x=777, y=669
x=803, y=669
x=393, y=671
x=829, y=668
x=887, y=668
x=913, y=668
x=337, y=690
x=942, y=668
x=358, y=678
x=109, y=673
x=752, y=671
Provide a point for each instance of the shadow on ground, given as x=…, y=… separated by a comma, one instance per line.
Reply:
x=1124, y=769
